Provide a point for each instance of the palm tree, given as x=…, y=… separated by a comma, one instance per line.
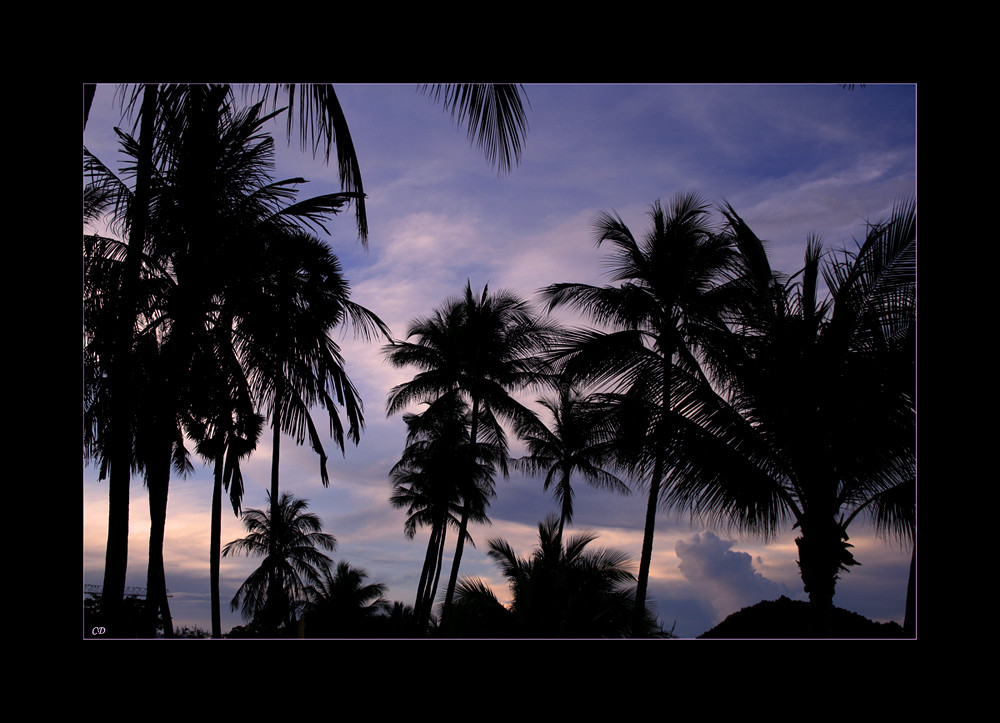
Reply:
x=117, y=449
x=217, y=221
x=582, y=440
x=496, y=120
x=158, y=442
x=437, y=474
x=226, y=427
x=294, y=304
x=482, y=347
x=816, y=424
x=296, y=561
x=342, y=604
x=160, y=449
x=671, y=287
x=561, y=590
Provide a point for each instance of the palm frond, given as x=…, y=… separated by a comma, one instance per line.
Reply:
x=495, y=115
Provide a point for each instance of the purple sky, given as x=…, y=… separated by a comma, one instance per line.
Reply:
x=791, y=159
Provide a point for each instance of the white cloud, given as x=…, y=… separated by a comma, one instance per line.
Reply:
x=724, y=577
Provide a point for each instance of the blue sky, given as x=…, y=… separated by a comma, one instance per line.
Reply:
x=793, y=160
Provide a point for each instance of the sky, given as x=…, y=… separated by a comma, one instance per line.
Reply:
x=793, y=160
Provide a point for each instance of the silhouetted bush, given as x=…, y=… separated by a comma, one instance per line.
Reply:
x=785, y=618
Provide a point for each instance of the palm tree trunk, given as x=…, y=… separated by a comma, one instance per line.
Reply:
x=646, y=558
x=464, y=525
x=660, y=438
x=120, y=474
x=820, y=549
x=439, y=564
x=565, y=506
x=215, y=546
x=459, y=548
x=425, y=574
x=157, y=483
x=275, y=463
x=273, y=583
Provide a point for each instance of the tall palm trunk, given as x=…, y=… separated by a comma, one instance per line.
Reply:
x=466, y=511
x=274, y=583
x=660, y=438
x=646, y=558
x=120, y=474
x=431, y=574
x=157, y=483
x=438, y=566
x=564, y=513
x=215, y=546
x=425, y=574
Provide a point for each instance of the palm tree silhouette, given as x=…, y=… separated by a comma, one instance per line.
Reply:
x=582, y=440
x=294, y=304
x=496, y=121
x=226, y=427
x=117, y=449
x=158, y=441
x=816, y=423
x=561, y=590
x=438, y=471
x=671, y=281
x=295, y=537
x=216, y=221
x=484, y=347
x=342, y=603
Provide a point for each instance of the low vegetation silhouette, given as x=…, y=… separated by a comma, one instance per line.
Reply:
x=564, y=589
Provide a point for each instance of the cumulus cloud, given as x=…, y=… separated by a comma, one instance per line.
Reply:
x=724, y=577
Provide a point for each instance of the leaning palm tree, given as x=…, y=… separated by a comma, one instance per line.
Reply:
x=671, y=287
x=816, y=422
x=296, y=562
x=564, y=589
x=482, y=347
x=582, y=440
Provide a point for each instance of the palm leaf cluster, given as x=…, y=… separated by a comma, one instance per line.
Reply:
x=292, y=562
x=442, y=477
x=583, y=440
x=563, y=589
x=343, y=603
